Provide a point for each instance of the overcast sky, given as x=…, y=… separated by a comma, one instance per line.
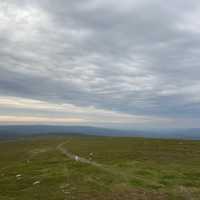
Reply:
x=127, y=64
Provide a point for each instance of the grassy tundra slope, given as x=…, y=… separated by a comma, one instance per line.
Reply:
x=118, y=169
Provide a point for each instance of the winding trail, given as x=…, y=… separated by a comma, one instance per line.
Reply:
x=77, y=158
x=72, y=156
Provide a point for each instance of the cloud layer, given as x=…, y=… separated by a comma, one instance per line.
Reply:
x=132, y=58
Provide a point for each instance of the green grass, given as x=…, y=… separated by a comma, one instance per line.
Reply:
x=132, y=168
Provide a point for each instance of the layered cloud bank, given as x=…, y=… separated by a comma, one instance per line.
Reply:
x=96, y=61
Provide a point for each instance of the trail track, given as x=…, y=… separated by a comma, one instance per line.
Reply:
x=72, y=156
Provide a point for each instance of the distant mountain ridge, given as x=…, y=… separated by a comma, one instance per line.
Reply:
x=10, y=131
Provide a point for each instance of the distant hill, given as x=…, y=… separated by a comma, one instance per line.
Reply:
x=31, y=130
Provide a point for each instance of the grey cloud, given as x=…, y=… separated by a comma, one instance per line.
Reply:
x=131, y=57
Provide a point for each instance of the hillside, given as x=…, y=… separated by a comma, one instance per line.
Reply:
x=99, y=168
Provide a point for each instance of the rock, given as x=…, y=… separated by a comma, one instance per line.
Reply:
x=36, y=182
x=18, y=176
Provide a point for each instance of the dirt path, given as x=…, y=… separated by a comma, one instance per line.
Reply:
x=72, y=156
x=77, y=158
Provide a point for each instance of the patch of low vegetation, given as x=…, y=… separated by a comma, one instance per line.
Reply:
x=129, y=169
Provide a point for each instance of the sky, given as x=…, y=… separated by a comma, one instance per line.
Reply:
x=127, y=64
